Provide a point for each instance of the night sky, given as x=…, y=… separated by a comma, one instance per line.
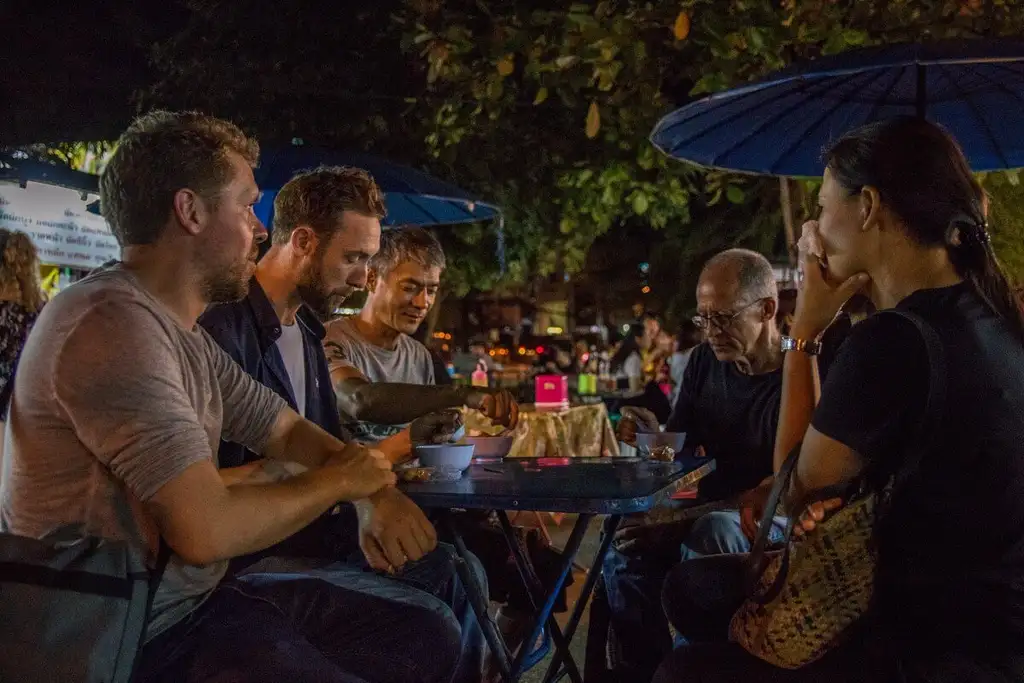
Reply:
x=68, y=69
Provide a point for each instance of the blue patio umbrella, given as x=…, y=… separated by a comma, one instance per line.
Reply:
x=412, y=197
x=781, y=125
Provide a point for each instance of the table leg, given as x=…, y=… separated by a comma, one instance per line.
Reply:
x=583, y=599
x=478, y=601
x=536, y=590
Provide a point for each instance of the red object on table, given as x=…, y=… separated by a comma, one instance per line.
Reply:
x=552, y=392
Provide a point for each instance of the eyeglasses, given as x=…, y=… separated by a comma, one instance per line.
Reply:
x=721, y=320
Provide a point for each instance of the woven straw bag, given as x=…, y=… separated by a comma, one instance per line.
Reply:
x=802, y=600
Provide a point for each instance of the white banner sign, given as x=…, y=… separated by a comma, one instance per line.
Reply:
x=65, y=234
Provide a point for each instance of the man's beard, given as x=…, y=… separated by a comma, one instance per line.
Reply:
x=313, y=293
x=230, y=284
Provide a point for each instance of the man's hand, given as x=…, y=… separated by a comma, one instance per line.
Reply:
x=498, y=405
x=436, y=428
x=636, y=421
x=393, y=530
x=752, y=504
x=361, y=472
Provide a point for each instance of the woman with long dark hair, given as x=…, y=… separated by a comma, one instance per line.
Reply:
x=903, y=221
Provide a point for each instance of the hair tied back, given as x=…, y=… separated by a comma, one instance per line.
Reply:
x=964, y=230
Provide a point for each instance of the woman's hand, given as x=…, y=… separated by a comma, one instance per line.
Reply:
x=818, y=300
x=814, y=513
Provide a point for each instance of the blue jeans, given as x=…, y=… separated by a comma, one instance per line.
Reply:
x=300, y=620
x=633, y=576
x=719, y=533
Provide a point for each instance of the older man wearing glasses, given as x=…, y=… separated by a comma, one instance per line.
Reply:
x=728, y=405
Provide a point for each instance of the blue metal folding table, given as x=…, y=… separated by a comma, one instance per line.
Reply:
x=587, y=487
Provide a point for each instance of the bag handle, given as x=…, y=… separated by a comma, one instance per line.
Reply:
x=756, y=561
x=927, y=429
x=935, y=404
x=163, y=556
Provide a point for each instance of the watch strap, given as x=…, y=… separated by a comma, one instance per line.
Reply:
x=809, y=347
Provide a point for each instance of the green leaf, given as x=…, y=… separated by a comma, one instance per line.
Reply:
x=756, y=39
x=853, y=37
x=735, y=194
x=640, y=203
x=542, y=95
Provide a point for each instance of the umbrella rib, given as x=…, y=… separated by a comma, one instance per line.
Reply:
x=821, y=118
x=806, y=87
x=981, y=119
x=881, y=98
x=412, y=200
x=999, y=84
x=801, y=84
x=1003, y=67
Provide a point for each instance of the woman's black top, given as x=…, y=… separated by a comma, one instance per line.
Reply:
x=951, y=550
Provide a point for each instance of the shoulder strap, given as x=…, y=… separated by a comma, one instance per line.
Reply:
x=162, y=558
x=155, y=576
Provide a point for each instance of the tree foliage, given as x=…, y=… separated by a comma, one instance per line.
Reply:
x=550, y=103
x=542, y=106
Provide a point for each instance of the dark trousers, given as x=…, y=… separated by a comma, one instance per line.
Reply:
x=285, y=622
x=634, y=571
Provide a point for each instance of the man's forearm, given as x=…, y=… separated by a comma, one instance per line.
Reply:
x=206, y=521
x=253, y=518
x=296, y=439
x=392, y=404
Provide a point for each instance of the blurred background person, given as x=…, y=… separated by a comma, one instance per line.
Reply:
x=627, y=363
x=21, y=299
x=688, y=337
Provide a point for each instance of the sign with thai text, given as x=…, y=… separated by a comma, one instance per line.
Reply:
x=55, y=218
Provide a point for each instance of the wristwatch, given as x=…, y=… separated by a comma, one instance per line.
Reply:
x=811, y=348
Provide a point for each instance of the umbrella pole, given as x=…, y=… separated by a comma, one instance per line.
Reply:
x=786, y=199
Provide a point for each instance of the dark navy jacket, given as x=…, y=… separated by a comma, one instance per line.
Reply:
x=248, y=330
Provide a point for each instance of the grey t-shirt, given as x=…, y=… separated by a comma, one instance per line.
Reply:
x=113, y=400
x=408, y=363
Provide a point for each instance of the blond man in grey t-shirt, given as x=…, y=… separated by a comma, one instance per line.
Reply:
x=118, y=409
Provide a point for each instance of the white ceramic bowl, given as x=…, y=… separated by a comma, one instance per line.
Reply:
x=445, y=455
x=674, y=439
x=490, y=446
